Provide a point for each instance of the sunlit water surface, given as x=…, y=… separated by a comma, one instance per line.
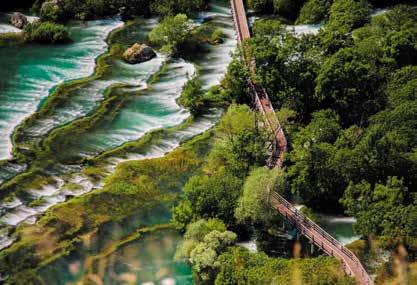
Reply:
x=36, y=70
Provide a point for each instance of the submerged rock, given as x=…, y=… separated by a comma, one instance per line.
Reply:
x=18, y=20
x=138, y=53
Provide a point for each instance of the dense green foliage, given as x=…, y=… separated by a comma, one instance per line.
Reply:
x=314, y=11
x=88, y=9
x=204, y=241
x=192, y=95
x=351, y=94
x=285, y=8
x=214, y=194
x=178, y=33
x=46, y=32
x=254, y=204
x=238, y=266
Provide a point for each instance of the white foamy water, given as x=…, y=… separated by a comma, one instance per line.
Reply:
x=37, y=69
x=213, y=65
x=80, y=105
x=249, y=245
x=15, y=212
x=5, y=239
x=300, y=30
x=6, y=27
x=155, y=108
x=9, y=169
x=340, y=227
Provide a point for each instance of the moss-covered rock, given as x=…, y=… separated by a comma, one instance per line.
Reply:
x=138, y=53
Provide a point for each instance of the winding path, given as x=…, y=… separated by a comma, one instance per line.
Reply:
x=305, y=226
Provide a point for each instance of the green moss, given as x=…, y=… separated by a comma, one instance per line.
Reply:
x=135, y=186
x=37, y=202
x=11, y=38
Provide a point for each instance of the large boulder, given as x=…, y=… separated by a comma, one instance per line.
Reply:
x=18, y=20
x=138, y=53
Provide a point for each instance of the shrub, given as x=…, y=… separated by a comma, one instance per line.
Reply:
x=46, y=32
x=192, y=95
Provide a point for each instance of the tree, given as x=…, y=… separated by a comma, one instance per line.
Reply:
x=402, y=46
x=313, y=173
x=192, y=95
x=241, y=145
x=239, y=266
x=172, y=32
x=195, y=234
x=254, y=204
x=286, y=66
x=49, y=11
x=402, y=86
x=349, y=82
x=386, y=210
x=314, y=11
x=213, y=196
x=235, y=87
x=171, y=7
x=204, y=257
x=260, y=5
x=345, y=16
x=288, y=8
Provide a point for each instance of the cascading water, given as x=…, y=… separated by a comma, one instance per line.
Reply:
x=33, y=70
x=146, y=108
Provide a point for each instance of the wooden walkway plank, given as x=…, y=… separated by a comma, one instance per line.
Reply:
x=308, y=228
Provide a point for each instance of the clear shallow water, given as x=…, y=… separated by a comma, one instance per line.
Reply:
x=84, y=98
x=147, y=261
x=33, y=70
x=340, y=227
x=148, y=108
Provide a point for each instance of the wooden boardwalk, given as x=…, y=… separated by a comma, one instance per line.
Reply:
x=305, y=226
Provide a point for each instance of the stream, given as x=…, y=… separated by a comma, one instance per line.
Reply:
x=36, y=71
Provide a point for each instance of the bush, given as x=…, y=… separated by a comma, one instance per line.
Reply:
x=239, y=266
x=314, y=11
x=287, y=8
x=260, y=5
x=46, y=32
x=192, y=95
x=49, y=11
x=172, y=33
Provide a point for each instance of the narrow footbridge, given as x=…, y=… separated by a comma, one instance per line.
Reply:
x=315, y=234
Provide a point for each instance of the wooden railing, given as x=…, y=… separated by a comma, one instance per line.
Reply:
x=321, y=238
x=305, y=226
x=261, y=98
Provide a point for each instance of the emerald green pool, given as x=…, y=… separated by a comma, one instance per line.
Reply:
x=31, y=74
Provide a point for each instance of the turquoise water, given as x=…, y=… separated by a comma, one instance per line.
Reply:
x=35, y=71
x=29, y=72
x=341, y=228
x=147, y=261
